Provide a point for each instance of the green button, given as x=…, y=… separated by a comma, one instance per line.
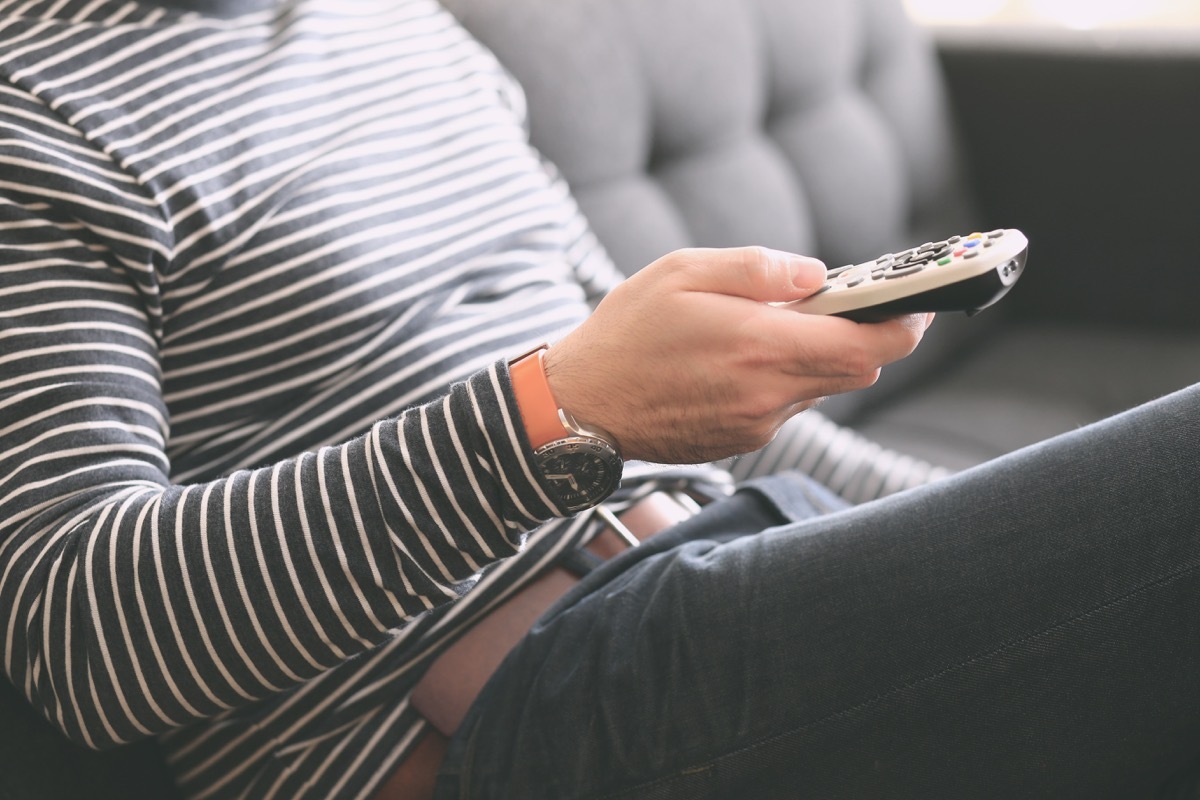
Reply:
x=945, y=261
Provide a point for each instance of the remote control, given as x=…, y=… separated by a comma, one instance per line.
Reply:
x=962, y=273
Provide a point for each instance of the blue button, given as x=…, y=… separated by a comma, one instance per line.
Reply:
x=972, y=243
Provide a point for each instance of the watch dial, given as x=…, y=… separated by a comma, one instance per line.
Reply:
x=582, y=471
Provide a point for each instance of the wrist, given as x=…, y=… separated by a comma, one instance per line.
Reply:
x=580, y=465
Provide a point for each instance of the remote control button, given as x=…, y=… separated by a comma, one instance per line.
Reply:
x=970, y=254
x=925, y=248
x=901, y=272
x=833, y=273
x=960, y=251
x=972, y=243
x=990, y=243
x=884, y=259
x=975, y=235
x=954, y=240
x=943, y=262
x=941, y=252
x=855, y=281
x=996, y=234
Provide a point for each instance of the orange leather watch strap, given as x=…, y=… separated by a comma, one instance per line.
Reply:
x=539, y=410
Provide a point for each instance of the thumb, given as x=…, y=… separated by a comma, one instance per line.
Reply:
x=756, y=273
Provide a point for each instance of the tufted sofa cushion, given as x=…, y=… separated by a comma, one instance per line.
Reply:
x=799, y=124
x=803, y=125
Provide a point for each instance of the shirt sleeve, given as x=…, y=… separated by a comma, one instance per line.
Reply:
x=851, y=465
x=131, y=605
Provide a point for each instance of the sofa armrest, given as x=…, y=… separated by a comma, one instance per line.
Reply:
x=1089, y=143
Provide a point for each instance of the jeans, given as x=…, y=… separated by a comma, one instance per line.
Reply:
x=1025, y=629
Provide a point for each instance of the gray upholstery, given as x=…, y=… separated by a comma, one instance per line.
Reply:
x=807, y=125
x=1032, y=382
x=797, y=124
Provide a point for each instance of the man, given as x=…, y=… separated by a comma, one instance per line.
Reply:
x=269, y=450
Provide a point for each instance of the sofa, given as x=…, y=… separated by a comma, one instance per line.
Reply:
x=843, y=131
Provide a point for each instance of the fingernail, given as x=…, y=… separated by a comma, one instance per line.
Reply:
x=807, y=273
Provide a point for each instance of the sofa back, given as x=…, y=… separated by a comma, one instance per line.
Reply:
x=806, y=125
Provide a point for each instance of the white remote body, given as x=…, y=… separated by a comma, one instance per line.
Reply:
x=962, y=273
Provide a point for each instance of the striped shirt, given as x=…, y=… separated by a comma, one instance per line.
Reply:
x=260, y=272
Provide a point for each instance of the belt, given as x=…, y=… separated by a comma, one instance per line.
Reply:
x=455, y=679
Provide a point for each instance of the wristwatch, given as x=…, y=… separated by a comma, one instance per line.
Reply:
x=580, y=463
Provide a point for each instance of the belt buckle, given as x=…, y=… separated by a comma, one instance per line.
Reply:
x=685, y=506
x=619, y=528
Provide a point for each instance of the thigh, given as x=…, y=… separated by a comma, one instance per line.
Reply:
x=1024, y=629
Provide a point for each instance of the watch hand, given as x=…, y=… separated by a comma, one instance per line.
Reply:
x=568, y=478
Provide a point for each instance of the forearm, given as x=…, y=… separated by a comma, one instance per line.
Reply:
x=133, y=606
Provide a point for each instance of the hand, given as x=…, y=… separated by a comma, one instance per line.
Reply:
x=685, y=362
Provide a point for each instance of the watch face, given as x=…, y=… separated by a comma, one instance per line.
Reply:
x=582, y=470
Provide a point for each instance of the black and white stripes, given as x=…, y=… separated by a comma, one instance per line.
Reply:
x=231, y=247
x=243, y=259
